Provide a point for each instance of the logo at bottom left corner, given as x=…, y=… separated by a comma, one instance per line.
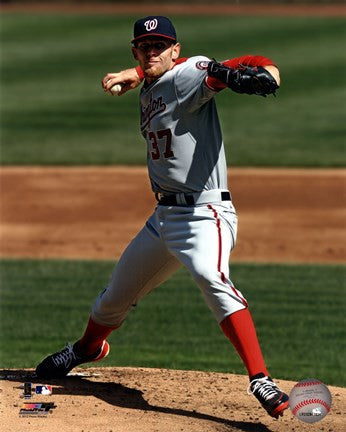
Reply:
x=39, y=409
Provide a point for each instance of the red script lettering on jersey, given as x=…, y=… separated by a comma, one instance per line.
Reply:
x=148, y=112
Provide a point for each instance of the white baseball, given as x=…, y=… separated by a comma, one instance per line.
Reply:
x=310, y=400
x=115, y=89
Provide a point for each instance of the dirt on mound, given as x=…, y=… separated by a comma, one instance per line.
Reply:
x=153, y=400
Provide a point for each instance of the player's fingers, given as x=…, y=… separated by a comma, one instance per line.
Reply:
x=104, y=80
x=107, y=79
x=107, y=85
x=112, y=82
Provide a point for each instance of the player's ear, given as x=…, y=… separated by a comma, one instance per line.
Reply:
x=134, y=52
x=176, y=51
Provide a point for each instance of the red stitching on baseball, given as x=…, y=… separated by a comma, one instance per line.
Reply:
x=308, y=402
x=307, y=383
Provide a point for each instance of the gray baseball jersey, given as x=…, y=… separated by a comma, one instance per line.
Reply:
x=180, y=124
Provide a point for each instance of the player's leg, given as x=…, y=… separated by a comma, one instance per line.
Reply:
x=211, y=236
x=201, y=238
x=145, y=263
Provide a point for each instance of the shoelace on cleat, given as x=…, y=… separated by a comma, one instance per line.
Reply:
x=263, y=387
x=65, y=357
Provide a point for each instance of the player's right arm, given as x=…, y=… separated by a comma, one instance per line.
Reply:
x=128, y=79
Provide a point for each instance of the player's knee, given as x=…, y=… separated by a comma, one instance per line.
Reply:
x=204, y=275
x=108, y=310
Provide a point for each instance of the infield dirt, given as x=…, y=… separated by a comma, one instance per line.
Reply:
x=291, y=215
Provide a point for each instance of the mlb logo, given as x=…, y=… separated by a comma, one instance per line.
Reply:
x=44, y=390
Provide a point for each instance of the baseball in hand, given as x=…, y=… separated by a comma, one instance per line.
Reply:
x=310, y=400
x=116, y=89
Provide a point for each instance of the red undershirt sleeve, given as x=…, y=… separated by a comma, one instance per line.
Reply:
x=140, y=73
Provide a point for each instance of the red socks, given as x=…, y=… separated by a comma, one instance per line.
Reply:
x=240, y=330
x=237, y=327
x=93, y=337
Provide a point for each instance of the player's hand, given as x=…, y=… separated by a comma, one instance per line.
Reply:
x=274, y=71
x=128, y=79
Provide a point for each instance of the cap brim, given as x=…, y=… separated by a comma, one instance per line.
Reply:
x=154, y=35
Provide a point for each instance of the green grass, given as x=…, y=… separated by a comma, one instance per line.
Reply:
x=299, y=312
x=53, y=110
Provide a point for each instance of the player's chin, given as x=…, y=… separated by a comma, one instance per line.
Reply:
x=154, y=71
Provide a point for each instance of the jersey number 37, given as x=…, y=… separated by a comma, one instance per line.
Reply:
x=161, y=139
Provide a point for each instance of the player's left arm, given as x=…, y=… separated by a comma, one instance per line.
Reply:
x=247, y=74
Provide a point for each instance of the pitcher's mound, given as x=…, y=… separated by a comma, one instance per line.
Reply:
x=150, y=400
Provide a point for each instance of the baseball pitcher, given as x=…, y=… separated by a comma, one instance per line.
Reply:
x=194, y=223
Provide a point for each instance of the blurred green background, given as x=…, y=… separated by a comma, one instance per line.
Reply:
x=54, y=111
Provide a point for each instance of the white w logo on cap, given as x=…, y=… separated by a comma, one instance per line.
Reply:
x=151, y=24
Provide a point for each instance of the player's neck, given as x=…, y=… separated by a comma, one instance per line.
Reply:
x=150, y=80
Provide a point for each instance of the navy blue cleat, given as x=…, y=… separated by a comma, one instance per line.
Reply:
x=273, y=400
x=59, y=364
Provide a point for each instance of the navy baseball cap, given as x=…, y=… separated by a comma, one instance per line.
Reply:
x=154, y=26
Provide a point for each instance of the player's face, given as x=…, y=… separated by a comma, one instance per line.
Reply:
x=156, y=56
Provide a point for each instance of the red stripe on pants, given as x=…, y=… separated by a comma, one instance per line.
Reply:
x=223, y=277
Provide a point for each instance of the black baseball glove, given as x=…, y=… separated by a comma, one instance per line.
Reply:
x=245, y=79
